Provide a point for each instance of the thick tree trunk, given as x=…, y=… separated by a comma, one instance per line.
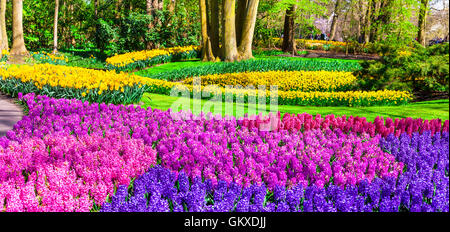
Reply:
x=3, y=35
x=422, y=21
x=334, y=21
x=214, y=33
x=55, y=28
x=229, y=35
x=247, y=31
x=18, y=44
x=240, y=16
x=207, y=54
x=288, y=32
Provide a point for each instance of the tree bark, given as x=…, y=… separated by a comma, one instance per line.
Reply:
x=96, y=9
x=334, y=21
x=214, y=33
x=3, y=35
x=118, y=5
x=18, y=44
x=229, y=36
x=367, y=22
x=207, y=54
x=240, y=16
x=171, y=7
x=55, y=28
x=247, y=30
x=422, y=21
x=374, y=20
x=288, y=32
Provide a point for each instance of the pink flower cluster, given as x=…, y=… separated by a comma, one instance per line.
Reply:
x=304, y=122
x=66, y=173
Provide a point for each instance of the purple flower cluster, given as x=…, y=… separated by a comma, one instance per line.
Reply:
x=305, y=121
x=276, y=158
x=424, y=186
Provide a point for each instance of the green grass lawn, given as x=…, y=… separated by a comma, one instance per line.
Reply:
x=196, y=62
x=425, y=110
x=84, y=62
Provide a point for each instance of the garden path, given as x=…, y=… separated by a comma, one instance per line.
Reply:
x=10, y=114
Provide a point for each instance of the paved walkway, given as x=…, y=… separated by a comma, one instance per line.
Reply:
x=10, y=113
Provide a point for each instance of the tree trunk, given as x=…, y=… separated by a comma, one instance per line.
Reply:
x=422, y=21
x=149, y=10
x=214, y=33
x=18, y=44
x=207, y=54
x=96, y=9
x=334, y=21
x=73, y=42
x=248, y=28
x=367, y=22
x=374, y=20
x=3, y=35
x=171, y=7
x=55, y=28
x=118, y=5
x=229, y=35
x=240, y=16
x=288, y=32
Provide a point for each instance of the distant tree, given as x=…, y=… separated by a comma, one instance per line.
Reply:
x=3, y=35
x=334, y=20
x=18, y=43
x=423, y=11
x=55, y=28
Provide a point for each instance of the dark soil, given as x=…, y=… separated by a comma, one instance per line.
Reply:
x=429, y=96
x=327, y=54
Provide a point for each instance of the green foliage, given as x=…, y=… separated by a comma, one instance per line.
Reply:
x=107, y=37
x=44, y=57
x=407, y=68
x=260, y=65
x=132, y=33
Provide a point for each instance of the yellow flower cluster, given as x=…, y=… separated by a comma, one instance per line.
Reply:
x=285, y=80
x=127, y=58
x=404, y=53
x=4, y=52
x=70, y=77
x=349, y=96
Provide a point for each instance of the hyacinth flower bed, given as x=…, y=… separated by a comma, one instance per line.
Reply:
x=69, y=155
